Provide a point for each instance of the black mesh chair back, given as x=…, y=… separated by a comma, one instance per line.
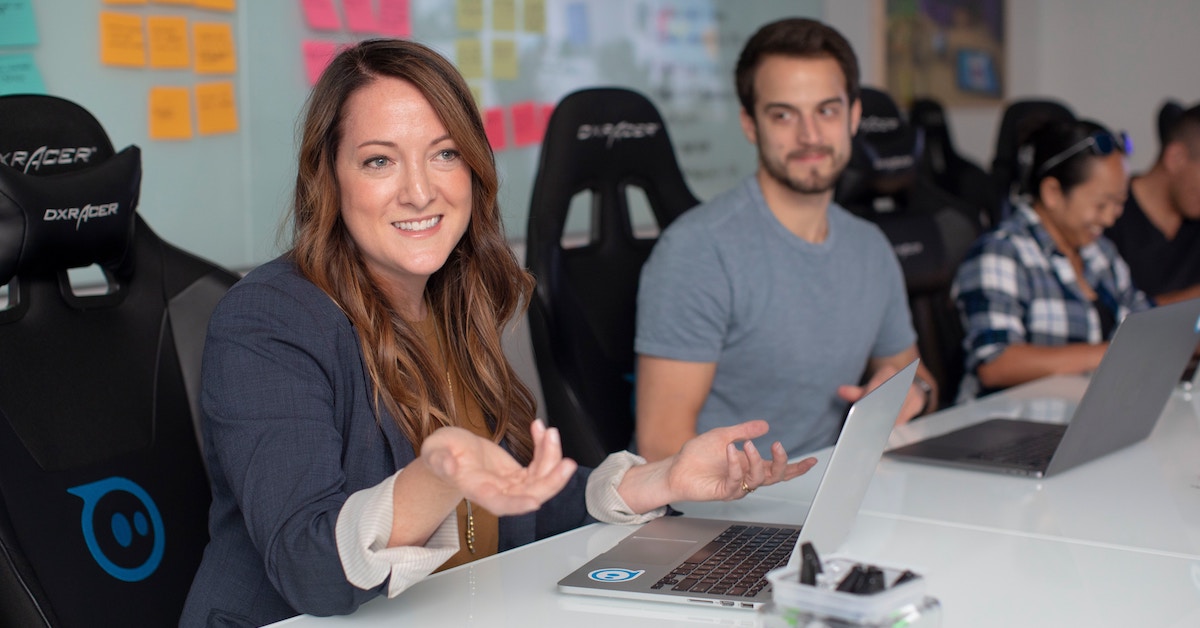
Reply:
x=944, y=166
x=599, y=142
x=930, y=229
x=1017, y=120
x=103, y=495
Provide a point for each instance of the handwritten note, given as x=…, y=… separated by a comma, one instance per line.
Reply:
x=214, y=48
x=170, y=113
x=468, y=54
x=504, y=59
x=19, y=75
x=216, y=109
x=321, y=15
x=122, y=41
x=317, y=55
x=535, y=16
x=168, y=37
x=470, y=15
x=217, y=5
x=360, y=17
x=493, y=125
x=17, y=24
x=504, y=15
x=395, y=18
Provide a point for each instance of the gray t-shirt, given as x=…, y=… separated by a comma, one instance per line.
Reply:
x=787, y=321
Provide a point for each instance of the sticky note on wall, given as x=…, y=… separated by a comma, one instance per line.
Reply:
x=122, y=41
x=170, y=112
x=216, y=108
x=168, y=42
x=213, y=42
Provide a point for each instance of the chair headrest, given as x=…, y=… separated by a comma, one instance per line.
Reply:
x=885, y=151
x=605, y=133
x=66, y=200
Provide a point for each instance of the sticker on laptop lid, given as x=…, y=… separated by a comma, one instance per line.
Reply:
x=614, y=574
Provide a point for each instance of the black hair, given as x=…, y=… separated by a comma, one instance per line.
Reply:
x=794, y=37
x=1048, y=140
x=1182, y=125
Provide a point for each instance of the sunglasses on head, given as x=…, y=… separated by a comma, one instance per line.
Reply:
x=1101, y=143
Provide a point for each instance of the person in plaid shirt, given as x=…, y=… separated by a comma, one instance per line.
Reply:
x=1043, y=293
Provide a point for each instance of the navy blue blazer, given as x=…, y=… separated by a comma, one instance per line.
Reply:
x=289, y=433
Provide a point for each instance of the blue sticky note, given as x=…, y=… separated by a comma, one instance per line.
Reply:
x=17, y=26
x=19, y=75
x=578, y=30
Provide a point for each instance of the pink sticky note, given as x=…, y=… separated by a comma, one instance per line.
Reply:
x=317, y=55
x=547, y=111
x=527, y=126
x=360, y=18
x=493, y=124
x=321, y=15
x=395, y=18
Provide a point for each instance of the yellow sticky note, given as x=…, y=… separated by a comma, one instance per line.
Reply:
x=470, y=15
x=504, y=15
x=504, y=59
x=535, y=16
x=168, y=42
x=477, y=94
x=122, y=41
x=217, y=5
x=469, y=54
x=170, y=113
x=216, y=109
x=214, y=48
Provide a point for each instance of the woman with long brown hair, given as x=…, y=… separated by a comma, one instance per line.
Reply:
x=362, y=426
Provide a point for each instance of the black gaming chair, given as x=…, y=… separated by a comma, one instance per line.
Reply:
x=103, y=495
x=929, y=229
x=942, y=164
x=603, y=141
x=1016, y=121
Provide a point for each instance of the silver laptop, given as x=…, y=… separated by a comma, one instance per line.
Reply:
x=1122, y=403
x=700, y=561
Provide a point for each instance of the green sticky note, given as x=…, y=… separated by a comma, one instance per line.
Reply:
x=17, y=26
x=19, y=75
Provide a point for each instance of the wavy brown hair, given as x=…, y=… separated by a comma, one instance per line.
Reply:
x=480, y=287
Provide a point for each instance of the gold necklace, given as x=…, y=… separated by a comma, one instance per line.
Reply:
x=450, y=386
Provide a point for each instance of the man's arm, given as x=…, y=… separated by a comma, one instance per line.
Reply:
x=670, y=394
x=918, y=401
x=1175, y=296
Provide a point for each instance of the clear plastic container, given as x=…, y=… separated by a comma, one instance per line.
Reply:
x=821, y=605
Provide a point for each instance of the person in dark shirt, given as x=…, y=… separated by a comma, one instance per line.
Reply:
x=1158, y=234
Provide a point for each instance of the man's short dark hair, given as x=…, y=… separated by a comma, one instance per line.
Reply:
x=794, y=37
x=1185, y=127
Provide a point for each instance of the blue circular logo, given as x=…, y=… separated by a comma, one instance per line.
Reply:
x=615, y=574
x=122, y=527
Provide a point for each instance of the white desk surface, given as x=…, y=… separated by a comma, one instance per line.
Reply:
x=1115, y=542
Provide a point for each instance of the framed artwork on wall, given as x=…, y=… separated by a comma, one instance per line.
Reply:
x=949, y=50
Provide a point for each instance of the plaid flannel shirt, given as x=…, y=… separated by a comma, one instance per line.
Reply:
x=1015, y=286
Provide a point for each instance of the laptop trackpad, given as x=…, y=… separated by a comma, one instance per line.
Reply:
x=650, y=551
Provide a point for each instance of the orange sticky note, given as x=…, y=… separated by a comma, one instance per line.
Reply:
x=183, y=3
x=395, y=18
x=122, y=41
x=527, y=123
x=170, y=113
x=216, y=109
x=214, y=48
x=217, y=5
x=321, y=15
x=124, y=1
x=493, y=125
x=168, y=42
x=317, y=55
x=360, y=17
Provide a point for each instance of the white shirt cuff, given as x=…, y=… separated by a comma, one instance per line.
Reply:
x=603, y=500
x=364, y=526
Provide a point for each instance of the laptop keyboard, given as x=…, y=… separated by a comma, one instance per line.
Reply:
x=1034, y=451
x=734, y=563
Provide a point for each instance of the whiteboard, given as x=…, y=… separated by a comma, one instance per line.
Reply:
x=224, y=196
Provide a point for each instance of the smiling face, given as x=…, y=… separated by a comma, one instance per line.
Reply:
x=802, y=123
x=405, y=189
x=1081, y=215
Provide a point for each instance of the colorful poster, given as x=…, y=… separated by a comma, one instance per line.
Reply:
x=949, y=50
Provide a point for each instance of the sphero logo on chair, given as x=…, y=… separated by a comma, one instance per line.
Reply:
x=122, y=527
x=614, y=574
